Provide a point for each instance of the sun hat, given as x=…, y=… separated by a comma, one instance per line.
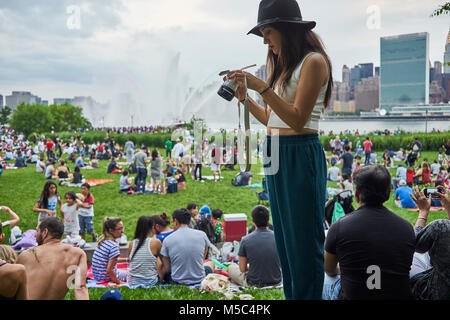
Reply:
x=402, y=183
x=272, y=11
x=205, y=210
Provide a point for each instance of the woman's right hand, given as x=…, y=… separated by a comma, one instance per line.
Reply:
x=241, y=91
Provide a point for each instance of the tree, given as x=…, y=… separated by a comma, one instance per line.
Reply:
x=4, y=115
x=41, y=118
x=28, y=118
x=443, y=9
x=66, y=117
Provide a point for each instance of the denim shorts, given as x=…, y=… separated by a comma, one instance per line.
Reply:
x=86, y=224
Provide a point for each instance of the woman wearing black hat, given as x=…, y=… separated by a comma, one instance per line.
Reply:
x=297, y=90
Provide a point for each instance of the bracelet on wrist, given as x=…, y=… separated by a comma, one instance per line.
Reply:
x=422, y=218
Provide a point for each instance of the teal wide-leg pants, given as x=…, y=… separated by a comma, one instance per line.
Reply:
x=297, y=203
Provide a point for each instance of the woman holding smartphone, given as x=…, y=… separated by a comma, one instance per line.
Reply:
x=298, y=89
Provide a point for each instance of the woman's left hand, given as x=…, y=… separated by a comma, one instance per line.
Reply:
x=253, y=83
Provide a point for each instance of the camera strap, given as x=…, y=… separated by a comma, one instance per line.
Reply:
x=246, y=132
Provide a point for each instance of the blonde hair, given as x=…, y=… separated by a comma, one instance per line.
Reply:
x=108, y=223
x=8, y=254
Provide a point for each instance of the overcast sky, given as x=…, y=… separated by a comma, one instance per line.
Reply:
x=151, y=48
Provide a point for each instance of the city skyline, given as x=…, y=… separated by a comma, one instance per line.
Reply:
x=149, y=48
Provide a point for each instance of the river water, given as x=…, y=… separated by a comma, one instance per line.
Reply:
x=363, y=126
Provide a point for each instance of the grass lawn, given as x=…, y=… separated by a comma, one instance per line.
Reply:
x=20, y=189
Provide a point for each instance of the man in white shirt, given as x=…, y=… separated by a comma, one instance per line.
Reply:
x=178, y=149
x=40, y=165
x=435, y=168
x=333, y=173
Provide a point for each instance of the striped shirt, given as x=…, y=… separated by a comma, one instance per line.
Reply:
x=105, y=251
x=142, y=265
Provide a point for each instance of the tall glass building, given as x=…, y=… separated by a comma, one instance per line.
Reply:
x=404, y=70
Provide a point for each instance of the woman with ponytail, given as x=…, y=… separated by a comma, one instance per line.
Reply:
x=107, y=253
x=145, y=262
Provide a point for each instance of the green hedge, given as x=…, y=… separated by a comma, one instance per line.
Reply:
x=148, y=139
x=430, y=141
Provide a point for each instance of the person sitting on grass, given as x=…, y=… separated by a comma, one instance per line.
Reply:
x=161, y=227
x=40, y=165
x=50, y=170
x=7, y=226
x=13, y=277
x=258, y=259
x=218, y=225
x=77, y=176
x=144, y=256
x=51, y=265
x=80, y=161
x=125, y=183
x=63, y=171
x=443, y=176
x=184, y=252
x=107, y=252
x=403, y=196
x=193, y=209
x=423, y=175
x=170, y=180
x=113, y=167
x=359, y=248
x=430, y=271
x=181, y=180
x=333, y=173
x=20, y=161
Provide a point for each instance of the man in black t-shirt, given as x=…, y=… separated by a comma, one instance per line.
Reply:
x=347, y=161
x=373, y=246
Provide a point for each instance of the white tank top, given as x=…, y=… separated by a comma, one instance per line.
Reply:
x=288, y=95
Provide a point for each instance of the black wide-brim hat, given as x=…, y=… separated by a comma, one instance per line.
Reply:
x=272, y=11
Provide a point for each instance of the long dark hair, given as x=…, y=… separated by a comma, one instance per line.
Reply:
x=143, y=228
x=296, y=42
x=46, y=194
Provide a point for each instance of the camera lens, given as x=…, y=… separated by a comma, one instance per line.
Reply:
x=226, y=92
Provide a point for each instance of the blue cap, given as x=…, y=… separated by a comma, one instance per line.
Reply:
x=205, y=210
x=112, y=295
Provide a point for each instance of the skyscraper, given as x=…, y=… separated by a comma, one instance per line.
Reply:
x=437, y=67
x=447, y=54
x=367, y=97
x=355, y=76
x=1, y=102
x=366, y=70
x=346, y=74
x=404, y=70
x=18, y=97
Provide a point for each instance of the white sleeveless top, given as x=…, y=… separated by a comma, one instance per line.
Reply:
x=288, y=95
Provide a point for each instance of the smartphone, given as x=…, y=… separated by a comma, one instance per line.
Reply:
x=432, y=191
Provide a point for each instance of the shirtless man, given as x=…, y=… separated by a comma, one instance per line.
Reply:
x=13, y=279
x=52, y=266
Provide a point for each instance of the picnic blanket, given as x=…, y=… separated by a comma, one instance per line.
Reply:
x=253, y=185
x=96, y=182
x=431, y=209
x=210, y=177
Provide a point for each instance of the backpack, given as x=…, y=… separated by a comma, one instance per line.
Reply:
x=340, y=205
x=172, y=187
x=206, y=225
